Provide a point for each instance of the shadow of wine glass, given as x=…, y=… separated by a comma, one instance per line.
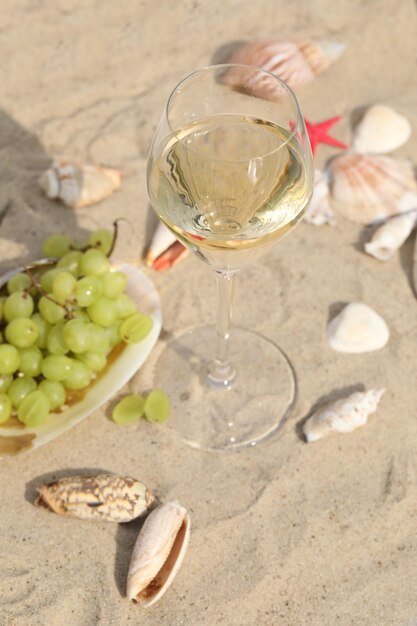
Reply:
x=27, y=217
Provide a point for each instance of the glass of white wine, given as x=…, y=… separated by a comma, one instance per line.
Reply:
x=230, y=173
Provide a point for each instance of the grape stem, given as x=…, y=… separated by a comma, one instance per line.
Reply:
x=115, y=234
x=34, y=283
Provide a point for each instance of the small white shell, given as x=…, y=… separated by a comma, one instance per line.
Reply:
x=79, y=185
x=342, y=416
x=381, y=130
x=158, y=553
x=357, y=329
x=165, y=250
x=369, y=188
x=319, y=211
x=296, y=63
x=390, y=236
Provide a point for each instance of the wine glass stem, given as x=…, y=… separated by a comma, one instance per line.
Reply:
x=221, y=373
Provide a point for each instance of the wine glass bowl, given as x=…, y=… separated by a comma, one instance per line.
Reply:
x=230, y=173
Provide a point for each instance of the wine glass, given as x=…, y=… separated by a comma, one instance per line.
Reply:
x=230, y=173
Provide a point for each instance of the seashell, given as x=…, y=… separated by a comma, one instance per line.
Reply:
x=369, y=188
x=381, y=129
x=414, y=271
x=105, y=497
x=79, y=185
x=357, y=329
x=296, y=63
x=165, y=250
x=342, y=416
x=319, y=211
x=390, y=236
x=158, y=553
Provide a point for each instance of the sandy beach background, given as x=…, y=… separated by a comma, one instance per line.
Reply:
x=289, y=534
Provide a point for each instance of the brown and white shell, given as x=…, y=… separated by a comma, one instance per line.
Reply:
x=381, y=130
x=105, y=497
x=342, y=416
x=165, y=250
x=389, y=237
x=296, y=63
x=158, y=553
x=357, y=329
x=79, y=185
x=319, y=211
x=370, y=188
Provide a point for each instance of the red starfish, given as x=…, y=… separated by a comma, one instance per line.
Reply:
x=318, y=134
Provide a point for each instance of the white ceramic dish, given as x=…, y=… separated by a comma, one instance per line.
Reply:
x=141, y=289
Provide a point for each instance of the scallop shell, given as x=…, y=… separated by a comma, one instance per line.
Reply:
x=165, y=250
x=342, y=416
x=319, y=211
x=368, y=188
x=381, y=129
x=296, y=63
x=357, y=329
x=390, y=236
x=158, y=553
x=105, y=497
x=79, y=185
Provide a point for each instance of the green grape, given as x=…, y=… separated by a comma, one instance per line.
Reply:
x=5, y=407
x=79, y=314
x=18, y=282
x=113, y=334
x=50, y=311
x=77, y=336
x=94, y=263
x=9, y=359
x=56, y=246
x=54, y=391
x=56, y=367
x=22, y=332
x=43, y=330
x=5, y=382
x=128, y=410
x=125, y=306
x=103, y=312
x=78, y=377
x=157, y=406
x=63, y=285
x=56, y=343
x=102, y=239
x=71, y=262
x=34, y=409
x=88, y=290
x=99, y=341
x=18, y=304
x=114, y=283
x=2, y=301
x=95, y=361
x=19, y=389
x=47, y=278
x=135, y=328
x=30, y=361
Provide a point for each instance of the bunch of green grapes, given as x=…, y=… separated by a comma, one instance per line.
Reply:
x=59, y=326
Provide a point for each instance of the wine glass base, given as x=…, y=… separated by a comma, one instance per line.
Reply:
x=210, y=417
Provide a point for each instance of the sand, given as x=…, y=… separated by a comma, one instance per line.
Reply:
x=288, y=534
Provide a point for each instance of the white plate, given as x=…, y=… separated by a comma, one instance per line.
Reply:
x=140, y=288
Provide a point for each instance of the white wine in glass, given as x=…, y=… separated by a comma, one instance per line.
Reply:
x=230, y=173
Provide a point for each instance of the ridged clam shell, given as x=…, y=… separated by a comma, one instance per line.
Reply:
x=357, y=329
x=296, y=63
x=158, y=553
x=342, y=416
x=105, y=497
x=369, y=188
x=319, y=211
x=389, y=237
x=79, y=185
x=165, y=250
x=381, y=130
